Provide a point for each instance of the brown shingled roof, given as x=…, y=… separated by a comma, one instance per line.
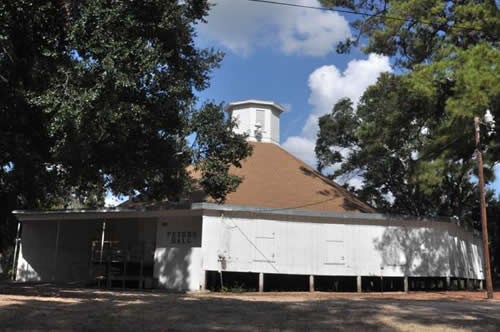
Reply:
x=274, y=178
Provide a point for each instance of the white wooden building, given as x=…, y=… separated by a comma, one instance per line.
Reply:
x=285, y=221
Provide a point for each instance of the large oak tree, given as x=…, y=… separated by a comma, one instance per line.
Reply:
x=100, y=95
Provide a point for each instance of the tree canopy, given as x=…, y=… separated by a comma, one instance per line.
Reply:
x=385, y=143
x=99, y=95
x=449, y=50
x=417, y=32
x=419, y=124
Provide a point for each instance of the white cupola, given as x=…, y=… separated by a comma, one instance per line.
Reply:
x=259, y=119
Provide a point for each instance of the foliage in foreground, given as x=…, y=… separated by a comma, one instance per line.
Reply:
x=98, y=95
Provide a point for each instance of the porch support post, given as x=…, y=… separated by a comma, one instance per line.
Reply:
x=203, y=281
x=358, y=282
x=480, y=284
x=103, y=232
x=56, y=251
x=102, y=240
x=405, y=282
x=261, y=282
x=16, y=249
x=448, y=283
x=311, y=283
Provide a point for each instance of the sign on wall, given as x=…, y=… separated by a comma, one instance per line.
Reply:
x=187, y=237
x=179, y=233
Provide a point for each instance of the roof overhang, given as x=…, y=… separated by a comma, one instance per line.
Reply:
x=255, y=102
x=199, y=209
x=98, y=214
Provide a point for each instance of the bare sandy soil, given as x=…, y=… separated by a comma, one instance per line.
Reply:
x=50, y=308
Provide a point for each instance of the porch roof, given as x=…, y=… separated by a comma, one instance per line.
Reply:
x=199, y=209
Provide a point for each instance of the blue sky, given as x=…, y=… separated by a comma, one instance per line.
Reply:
x=286, y=55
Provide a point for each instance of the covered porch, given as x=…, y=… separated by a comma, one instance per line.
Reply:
x=104, y=248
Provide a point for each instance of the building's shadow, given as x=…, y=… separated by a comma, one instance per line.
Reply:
x=55, y=308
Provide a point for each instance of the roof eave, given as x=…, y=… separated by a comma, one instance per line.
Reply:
x=99, y=214
x=198, y=209
x=272, y=104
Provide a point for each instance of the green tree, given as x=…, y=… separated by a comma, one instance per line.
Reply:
x=385, y=142
x=100, y=94
x=448, y=52
x=417, y=31
x=449, y=49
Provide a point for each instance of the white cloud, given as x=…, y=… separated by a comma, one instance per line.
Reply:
x=328, y=85
x=242, y=26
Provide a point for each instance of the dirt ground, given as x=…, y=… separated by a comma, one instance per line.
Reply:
x=51, y=308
